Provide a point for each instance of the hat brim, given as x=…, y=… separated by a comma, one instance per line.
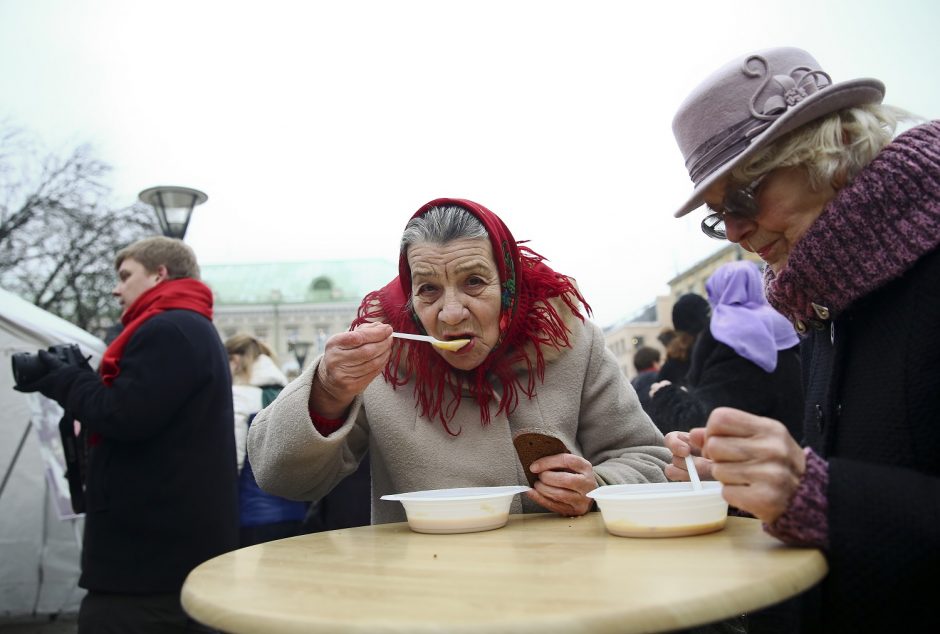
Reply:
x=847, y=94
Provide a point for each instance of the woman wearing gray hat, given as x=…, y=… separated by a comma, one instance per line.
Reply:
x=805, y=173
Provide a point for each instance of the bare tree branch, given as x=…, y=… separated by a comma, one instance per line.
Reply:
x=59, y=230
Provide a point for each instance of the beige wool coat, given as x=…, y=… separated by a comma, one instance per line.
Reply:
x=585, y=401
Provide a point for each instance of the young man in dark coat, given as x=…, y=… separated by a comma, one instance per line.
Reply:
x=161, y=493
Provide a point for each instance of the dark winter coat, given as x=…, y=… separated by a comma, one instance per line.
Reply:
x=873, y=411
x=864, y=282
x=161, y=481
x=720, y=377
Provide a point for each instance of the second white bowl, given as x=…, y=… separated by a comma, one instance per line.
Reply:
x=661, y=509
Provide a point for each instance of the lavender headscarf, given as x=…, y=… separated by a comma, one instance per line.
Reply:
x=741, y=317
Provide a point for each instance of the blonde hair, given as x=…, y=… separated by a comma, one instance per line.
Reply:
x=249, y=349
x=835, y=146
x=178, y=258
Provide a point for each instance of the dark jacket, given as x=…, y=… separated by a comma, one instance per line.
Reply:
x=719, y=377
x=161, y=490
x=674, y=370
x=641, y=384
x=873, y=411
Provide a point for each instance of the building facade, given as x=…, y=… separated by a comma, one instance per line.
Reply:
x=292, y=306
x=296, y=305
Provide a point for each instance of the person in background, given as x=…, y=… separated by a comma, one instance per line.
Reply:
x=347, y=505
x=747, y=358
x=646, y=362
x=808, y=174
x=665, y=336
x=433, y=418
x=256, y=382
x=689, y=317
x=161, y=494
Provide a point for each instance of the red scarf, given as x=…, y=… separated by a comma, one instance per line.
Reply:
x=527, y=322
x=185, y=294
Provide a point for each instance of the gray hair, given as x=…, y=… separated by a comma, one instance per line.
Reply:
x=440, y=225
x=840, y=144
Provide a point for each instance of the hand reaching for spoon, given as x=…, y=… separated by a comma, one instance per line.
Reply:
x=350, y=362
x=683, y=448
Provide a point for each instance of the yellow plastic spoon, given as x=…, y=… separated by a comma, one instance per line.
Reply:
x=454, y=344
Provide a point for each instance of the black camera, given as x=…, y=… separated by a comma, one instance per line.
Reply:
x=28, y=368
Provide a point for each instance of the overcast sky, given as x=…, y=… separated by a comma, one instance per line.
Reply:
x=317, y=128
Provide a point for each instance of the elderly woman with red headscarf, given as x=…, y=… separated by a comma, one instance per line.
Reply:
x=433, y=418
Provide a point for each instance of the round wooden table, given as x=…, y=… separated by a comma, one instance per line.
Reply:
x=541, y=573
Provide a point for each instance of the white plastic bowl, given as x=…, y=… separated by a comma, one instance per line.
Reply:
x=465, y=510
x=662, y=509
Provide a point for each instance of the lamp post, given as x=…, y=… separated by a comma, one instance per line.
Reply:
x=300, y=350
x=174, y=207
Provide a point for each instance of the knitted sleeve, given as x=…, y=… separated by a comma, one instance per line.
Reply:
x=806, y=522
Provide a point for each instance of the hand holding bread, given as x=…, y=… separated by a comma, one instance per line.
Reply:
x=559, y=479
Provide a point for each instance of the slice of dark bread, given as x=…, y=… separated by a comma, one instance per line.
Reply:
x=531, y=446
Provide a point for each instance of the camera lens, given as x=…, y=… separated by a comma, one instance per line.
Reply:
x=27, y=368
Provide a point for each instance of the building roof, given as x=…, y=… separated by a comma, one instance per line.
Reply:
x=648, y=314
x=698, y=266
x=297, y=282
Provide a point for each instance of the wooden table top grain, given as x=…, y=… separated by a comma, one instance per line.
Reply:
x=540, y=573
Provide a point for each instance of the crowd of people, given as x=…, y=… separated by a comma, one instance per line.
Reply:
x=809, y=389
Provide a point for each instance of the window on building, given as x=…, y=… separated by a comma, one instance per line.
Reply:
x=261, y=332
x=320, y=289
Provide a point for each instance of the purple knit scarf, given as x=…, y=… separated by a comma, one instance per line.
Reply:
x=870, y=233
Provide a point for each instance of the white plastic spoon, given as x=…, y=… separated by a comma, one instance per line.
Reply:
x=455, y=344
x=693, y=474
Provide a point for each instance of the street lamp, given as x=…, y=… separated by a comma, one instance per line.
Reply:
x=174, y=206
x=300, y=350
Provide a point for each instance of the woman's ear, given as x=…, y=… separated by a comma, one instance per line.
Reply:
x=839, y=179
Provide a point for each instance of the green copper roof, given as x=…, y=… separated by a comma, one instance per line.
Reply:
x=296, y=282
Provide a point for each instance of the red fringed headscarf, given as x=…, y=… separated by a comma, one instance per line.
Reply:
x=185, y=293
x=527, y=322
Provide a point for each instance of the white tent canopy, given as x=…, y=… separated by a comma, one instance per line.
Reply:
x=40, y=543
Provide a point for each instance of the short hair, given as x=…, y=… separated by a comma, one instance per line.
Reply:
x=840, y=144
x=178, y=258
x=440, y=225
x=645, y=358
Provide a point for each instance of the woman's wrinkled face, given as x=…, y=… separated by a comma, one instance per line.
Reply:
x=455, y=290
x=787, y=206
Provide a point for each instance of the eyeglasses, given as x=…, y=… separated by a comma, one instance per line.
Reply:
x=738, y=201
